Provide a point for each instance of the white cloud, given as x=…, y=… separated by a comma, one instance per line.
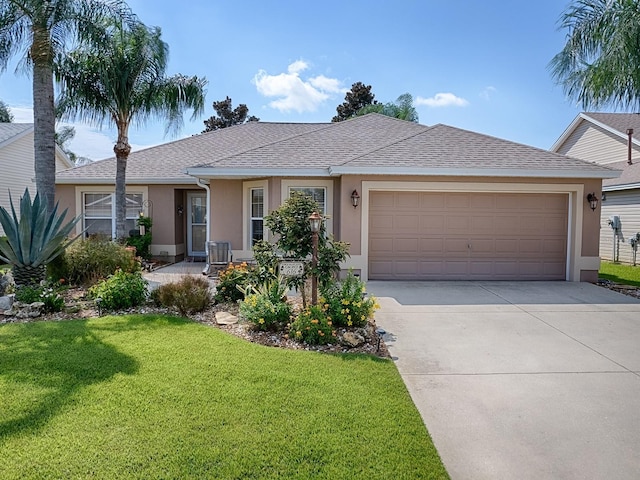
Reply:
x=292, y=93
x=442, y=100
x=487, y=92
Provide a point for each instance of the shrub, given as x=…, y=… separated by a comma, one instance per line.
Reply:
x=267, y=307
x=121, y=290
x=345, y=302
x=313, y=326
x=142, y=243
x=48, y=294
x=232, y=283
x=95, y=258
x=189, y=295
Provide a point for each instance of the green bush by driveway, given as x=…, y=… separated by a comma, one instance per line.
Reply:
x=160, y=397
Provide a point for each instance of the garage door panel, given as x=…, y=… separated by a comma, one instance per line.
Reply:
x=381, y=223
x=432, y=246
x=456, y=224
x=457, y=201
x=408, y=200
x=381, y=246
x=457, y=235
x=406, y=245
x=403, y=223
x=431, y=223
x=456, y=246
x=482, y=225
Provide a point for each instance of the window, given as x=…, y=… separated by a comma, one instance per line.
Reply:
x=316, y=193
x=99, y=217
x=257, y=215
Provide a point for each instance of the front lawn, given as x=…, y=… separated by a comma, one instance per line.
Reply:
x=145, y=396
x=620, y=273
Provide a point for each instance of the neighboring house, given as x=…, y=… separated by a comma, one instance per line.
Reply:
x=17, y=162
x=611, y=139
x=434, y=202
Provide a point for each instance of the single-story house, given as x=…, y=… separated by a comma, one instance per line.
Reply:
x=17, y=162
x=613, y=140
x=434, y=202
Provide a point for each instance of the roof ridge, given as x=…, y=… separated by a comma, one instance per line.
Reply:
x=322, y=126
x=426, y=127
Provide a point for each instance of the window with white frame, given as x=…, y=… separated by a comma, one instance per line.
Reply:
x=99, y=216
x=319, y=194
x=256, y=221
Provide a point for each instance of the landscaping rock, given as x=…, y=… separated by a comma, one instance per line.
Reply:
x=225, y=318
x=5, y=281
x=352, y=339
x=25, y=310
x=6, y=302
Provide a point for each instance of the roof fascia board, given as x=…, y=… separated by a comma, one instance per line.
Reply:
x=129, y=181
x=474, y=172
x=213, y=172
x=582, y=116
x=613, y=188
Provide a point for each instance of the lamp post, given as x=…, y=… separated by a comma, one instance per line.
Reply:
x=314, y=219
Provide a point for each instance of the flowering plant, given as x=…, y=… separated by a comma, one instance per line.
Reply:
x=313, y=326
x=266, y=307
x=347, y=304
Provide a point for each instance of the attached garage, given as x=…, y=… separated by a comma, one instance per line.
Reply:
x=467, y=236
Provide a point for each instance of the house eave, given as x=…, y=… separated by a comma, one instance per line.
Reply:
x=129, y=181
x=614, y=188
x=210, y=172
x=474, y=172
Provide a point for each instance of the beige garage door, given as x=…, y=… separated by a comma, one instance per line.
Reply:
x=467, y=236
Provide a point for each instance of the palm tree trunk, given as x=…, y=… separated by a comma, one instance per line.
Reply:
x=44, y=118
x=122, y=150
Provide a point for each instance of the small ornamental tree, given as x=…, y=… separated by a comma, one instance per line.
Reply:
x=290, y=223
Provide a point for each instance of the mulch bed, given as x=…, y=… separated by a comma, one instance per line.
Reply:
x=79, y=307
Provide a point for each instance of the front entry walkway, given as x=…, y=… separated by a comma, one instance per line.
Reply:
x=531, y=380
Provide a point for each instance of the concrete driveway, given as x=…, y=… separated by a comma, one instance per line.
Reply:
x=520, y=380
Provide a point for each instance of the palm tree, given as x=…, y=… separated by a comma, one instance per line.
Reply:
x=600, y=62
x=39, y=29
x=402, y=108
x=123, y=80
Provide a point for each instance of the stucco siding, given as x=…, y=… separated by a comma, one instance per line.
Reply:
x=594, y=144
x=626, y=205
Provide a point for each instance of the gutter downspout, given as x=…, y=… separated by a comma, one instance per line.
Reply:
x=208, y=215
x=629, y=144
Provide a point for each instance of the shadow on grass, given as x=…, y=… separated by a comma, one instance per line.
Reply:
x=44, y=364
x=620, y=280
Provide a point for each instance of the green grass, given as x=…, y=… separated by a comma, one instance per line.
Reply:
x=160, y=397
x=620, y=273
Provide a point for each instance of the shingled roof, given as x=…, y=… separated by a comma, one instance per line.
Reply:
x=12, y=131
x=373, y=144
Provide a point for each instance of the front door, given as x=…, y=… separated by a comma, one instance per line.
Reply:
x=196, y=224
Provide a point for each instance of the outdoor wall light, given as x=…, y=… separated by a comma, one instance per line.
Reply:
x=180, y=210
x=315, y=219
x=593, y=201
x=355, y=198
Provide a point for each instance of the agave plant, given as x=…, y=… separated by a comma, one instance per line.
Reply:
x=33, y=240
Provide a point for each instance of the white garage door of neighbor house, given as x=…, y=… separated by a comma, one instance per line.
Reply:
x=467, y=236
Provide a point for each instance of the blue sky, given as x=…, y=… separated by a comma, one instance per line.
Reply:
x=480, y=65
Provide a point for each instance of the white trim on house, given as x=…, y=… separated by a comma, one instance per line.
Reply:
x=471, y=172
x=575, y=261
x=130, y=181
x=583, y=117
x=16, y=137
x=392, y=170
x=614, y=188
x=288, y=183
x=80, y=190
x=246, y=213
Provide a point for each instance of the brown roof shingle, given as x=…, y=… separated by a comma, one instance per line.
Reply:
x=360, y=144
